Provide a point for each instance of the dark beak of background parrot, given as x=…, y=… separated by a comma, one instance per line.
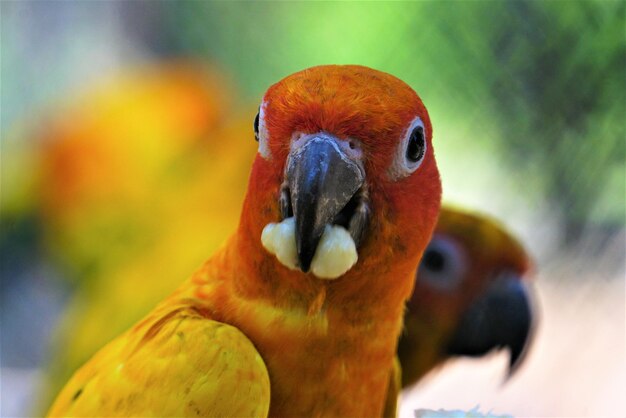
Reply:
x=322, y=179
x=500, y=318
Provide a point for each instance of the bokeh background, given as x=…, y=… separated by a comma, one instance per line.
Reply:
x=528, y=103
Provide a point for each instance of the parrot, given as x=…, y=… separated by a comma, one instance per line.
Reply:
x=471, y=296
x=246, y=335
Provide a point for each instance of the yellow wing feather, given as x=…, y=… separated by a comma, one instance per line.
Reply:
x=182, y=364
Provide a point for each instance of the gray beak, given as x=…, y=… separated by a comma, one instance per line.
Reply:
x=501, y=318
x=322, y=179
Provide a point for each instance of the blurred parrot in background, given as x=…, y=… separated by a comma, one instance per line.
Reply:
x=102, y=157
x=470, y=296
x=246, y=335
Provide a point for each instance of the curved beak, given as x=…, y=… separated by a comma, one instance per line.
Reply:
x=501, y=318
x=322, y=179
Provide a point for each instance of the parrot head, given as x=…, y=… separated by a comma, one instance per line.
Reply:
x=471, y=292
x=349, y=146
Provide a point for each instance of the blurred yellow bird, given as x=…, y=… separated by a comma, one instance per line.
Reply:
x=103, y=157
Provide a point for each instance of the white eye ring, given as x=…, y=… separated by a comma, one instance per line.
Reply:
x=262, y=135
x=402, y=166
x=443, y=265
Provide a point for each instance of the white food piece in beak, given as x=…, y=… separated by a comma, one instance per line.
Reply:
x=335, y=254
x=280, y=240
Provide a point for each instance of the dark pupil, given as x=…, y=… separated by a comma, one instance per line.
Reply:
x=415, y=150
x=433, y=260
x=256, y=127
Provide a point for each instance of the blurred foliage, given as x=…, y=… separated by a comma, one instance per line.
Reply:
x=566, y=77
x=542, y=81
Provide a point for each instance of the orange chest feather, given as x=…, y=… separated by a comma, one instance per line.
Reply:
x=319, y=364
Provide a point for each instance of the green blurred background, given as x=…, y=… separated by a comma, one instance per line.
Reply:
x=527, y=99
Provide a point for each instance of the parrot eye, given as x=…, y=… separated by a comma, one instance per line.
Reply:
x=443, y=264
x=417, y=145
x=411, y=151
x=256, y=127
x=260, y=132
